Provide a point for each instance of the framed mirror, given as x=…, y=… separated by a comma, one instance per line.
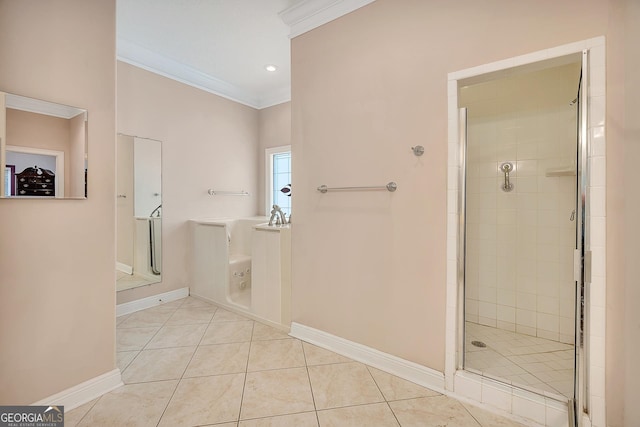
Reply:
x=139, y=212
x=43, y=149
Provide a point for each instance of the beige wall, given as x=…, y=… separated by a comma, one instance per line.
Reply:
x=274, y=127
x=370, y=267
x=57, y=298
x=629, y=367
x=207, y=142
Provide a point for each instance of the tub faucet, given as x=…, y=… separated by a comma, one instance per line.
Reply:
x=278, y=215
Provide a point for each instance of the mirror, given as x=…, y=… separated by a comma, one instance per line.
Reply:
x=139, y=212
x=43, y=149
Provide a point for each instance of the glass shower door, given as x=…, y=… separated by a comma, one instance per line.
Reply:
x=520, y=220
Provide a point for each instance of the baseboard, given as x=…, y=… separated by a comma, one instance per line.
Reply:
x=124, y=268
x=152, y=301
x=84, y=392
x=402, y=368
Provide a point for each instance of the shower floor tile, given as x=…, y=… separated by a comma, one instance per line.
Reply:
x=522, y=360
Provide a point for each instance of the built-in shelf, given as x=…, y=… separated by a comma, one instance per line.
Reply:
x=564, y=171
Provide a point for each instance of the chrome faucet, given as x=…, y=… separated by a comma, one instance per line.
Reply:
x=278, y=215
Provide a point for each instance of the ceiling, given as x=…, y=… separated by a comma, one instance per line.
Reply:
x=221, y=46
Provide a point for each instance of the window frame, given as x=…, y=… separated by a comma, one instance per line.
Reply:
x=268, y=167
x=11, y=169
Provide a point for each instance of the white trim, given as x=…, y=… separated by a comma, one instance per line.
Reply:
x=146, y=59
x=268, y=170
x=394, y=365
x=466, y=383
x=141, y=57
x=31, y=105
x=84, y=392
x=152, y=301
x=309, y=14
x=124, y=268
x=59, y=155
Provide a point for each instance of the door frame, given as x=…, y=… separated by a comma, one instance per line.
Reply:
x=504, y=397
x=59, y=156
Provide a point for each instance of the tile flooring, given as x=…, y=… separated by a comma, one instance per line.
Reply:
x=188, y=363
x=529, y=362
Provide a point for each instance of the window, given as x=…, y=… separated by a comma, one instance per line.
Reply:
x=278, y=178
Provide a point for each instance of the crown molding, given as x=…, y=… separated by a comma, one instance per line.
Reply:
x=138, y=56
x=310, y=14
x=39, y=106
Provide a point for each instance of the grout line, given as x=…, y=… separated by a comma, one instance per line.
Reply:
x=313, y=397
x=268, y=416
x=185, y=367
x=246, y=374
x=168, y=402
x=89, y=410
x=376, y=383
x=144, y=347
x=386, y=401
x=469, y=412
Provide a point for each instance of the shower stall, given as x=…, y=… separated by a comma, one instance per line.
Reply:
x=522, y=226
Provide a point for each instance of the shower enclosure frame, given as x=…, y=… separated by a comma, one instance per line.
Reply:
x=590, y=369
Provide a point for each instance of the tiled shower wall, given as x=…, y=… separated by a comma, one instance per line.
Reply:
x=519, y=244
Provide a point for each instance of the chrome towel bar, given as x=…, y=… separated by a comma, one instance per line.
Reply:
x=392, y=186
x=213, y=192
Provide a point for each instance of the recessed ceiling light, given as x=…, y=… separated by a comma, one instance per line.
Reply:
x=270, y=68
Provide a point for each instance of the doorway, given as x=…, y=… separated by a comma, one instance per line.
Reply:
x=589, y=260
x=22, y=157
x=521, y=227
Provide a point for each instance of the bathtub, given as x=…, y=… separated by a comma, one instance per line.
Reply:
x=243, y=265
